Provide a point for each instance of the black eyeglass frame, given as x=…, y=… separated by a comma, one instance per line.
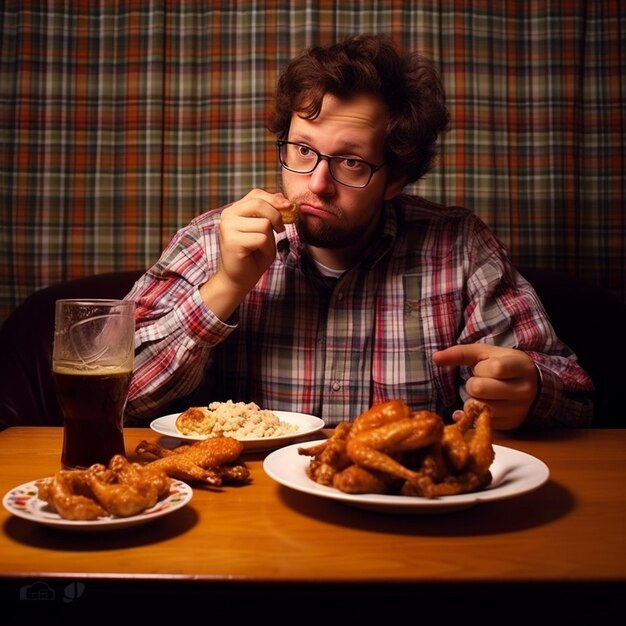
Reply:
x=326, y=157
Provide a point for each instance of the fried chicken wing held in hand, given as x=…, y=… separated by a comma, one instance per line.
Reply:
x=290, y=215
x=213, y=461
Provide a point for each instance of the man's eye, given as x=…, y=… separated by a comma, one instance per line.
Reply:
x=352, y=164
x=304, y=151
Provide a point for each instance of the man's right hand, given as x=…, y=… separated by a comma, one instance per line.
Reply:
x=247, y=249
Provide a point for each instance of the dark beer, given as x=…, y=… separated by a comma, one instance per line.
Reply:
x=92, y=403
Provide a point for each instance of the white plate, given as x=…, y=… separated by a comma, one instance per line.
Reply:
x=307, y=424
x=514, y=473
x=23, y=502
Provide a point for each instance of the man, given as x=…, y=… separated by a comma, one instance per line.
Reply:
x=372, y=294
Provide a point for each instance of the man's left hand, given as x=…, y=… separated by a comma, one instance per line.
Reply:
x=505, y=379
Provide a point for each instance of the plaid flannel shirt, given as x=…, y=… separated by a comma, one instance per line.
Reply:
x=436, y=276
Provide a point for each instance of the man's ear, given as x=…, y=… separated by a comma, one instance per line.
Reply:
x=394, y=187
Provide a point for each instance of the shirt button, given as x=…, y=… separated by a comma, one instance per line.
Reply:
x=336, y=386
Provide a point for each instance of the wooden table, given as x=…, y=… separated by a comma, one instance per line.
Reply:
x=558, y=550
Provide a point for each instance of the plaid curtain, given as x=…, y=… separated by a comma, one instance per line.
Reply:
x=120, y=120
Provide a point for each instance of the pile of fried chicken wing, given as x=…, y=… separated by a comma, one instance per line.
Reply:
x=390, y=449
x=122, y=489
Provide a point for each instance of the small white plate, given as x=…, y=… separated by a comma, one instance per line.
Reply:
x=307, y=424
x=513, y=472
x=23, y=501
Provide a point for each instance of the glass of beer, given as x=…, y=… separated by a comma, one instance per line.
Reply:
x=92, y=364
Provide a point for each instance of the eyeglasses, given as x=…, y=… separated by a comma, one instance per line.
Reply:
x=302, y=159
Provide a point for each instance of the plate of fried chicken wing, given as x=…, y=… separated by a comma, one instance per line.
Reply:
x=85, y=500
x=394, y=460
x=513, y=474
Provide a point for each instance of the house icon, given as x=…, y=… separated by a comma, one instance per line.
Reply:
x=37, y=591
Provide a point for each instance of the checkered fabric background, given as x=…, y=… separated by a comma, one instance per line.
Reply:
x=121, y=120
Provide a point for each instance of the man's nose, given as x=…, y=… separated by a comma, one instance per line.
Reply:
x=321, y=179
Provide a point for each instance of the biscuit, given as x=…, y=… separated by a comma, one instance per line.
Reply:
x=197, y=420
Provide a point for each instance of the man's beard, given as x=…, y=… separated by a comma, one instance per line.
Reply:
x=323, y=235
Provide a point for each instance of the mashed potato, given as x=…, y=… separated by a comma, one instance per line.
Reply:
x=232, y=419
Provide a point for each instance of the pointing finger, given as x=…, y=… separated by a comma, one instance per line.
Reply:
x=464, y=354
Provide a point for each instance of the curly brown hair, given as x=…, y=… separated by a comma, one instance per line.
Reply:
x=408, y=84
